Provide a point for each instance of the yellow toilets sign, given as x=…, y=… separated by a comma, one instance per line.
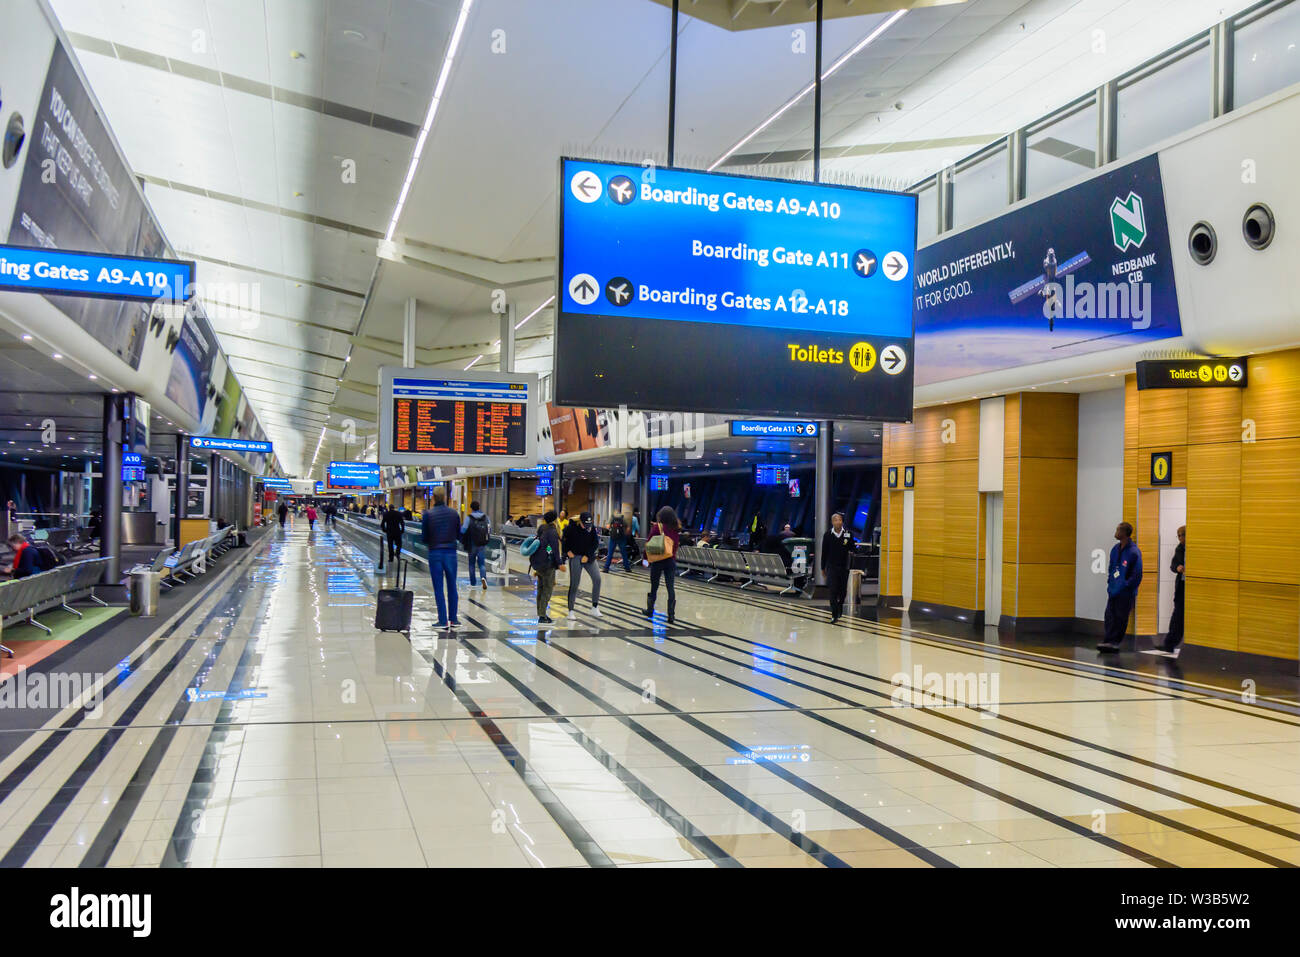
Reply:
x=1162, y=468
x=1192, y=373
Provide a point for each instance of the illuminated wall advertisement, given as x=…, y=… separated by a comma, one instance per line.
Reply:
x=1083, y=270
x=351, y=475
x=777, y=297
x=440, y=417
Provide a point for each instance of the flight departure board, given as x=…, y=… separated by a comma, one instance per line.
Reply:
x=429, y=418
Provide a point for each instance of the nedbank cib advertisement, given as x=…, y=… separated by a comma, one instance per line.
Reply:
x=681, y=289
x=1083, y=270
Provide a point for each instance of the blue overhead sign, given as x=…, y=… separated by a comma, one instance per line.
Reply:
x=352, y=475
x=228, y=445
x=752, y=427
x=58, y=271
x=752, y=280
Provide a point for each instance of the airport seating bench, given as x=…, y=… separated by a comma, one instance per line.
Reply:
x=753, y=568
x=24, y=598
x=186, y=562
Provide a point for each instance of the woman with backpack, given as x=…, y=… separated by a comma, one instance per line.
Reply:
x=476, y=530
x=544, y=558
x=661, y=555
x=579, y=541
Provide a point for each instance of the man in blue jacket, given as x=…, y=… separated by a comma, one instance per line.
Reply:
x=440, y=530
x=1123, y=577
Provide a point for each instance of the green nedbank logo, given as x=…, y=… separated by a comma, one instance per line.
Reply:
x=1128, y=226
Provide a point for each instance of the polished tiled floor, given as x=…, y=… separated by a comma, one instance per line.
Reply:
x=277, y=728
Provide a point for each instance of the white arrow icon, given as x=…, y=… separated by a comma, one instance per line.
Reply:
x=893, y=359
x=585, y=186
x=1234, y=373
x=895, y=266
x=583, y=289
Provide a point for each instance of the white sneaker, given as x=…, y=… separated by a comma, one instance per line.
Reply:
x=597, y=612
x=573, y=614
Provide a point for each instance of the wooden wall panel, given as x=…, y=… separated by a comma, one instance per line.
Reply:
x=1010, y=588
x=1011, y=426
x=961, y=508
x=1210, y=611
x=1268, y=619
x=965, y=417
x=1131, y=456
x=959, y=582
x=894, y=584
x=928, y=432
x=1272, y=397
x=1046, y=591
x=1214, y=415
x=1162, y=418
x=1214, y=510
x=927, y=578
x=1011, y=510
x=1130, y=412
x=902, y=441
x=1049, y=424
x=1147, y=536
x=928, y=510
x=1270, y=511
x=1048, y=491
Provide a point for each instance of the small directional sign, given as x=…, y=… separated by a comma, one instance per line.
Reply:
x=893, y=359
x=1162, y=468
x=909, y=476
x=865, y=263
x=584, y=289
x=895, y=266
x=585, y=186
x=893, y=476
x=619, y=291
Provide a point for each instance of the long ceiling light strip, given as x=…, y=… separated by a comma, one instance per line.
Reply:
x=429, y=117
x=861, y=45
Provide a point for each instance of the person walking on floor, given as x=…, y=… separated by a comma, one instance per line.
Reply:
x=579, y=542
x=283, y=512
x=394, y=528
x=1174, y=637
x=544, y=562
x=477, y=529
x=311, y=517
x=661, y=554
x=439, y=530
x=1123, y=576
x=618, y=526
x=837, y=547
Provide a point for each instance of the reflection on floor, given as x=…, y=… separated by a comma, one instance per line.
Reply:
x=277, y=728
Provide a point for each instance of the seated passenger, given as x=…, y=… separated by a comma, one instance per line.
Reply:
x=24, y=562
x=787, y=532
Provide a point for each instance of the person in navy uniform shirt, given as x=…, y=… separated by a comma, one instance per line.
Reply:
x=1123, y=576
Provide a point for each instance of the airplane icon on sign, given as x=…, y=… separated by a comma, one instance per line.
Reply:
x=619, y=291
x=865, y=262
x=620, y=190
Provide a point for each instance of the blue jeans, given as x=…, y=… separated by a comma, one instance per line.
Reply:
x=442, y=565
x=621, y=545
x=477, y=560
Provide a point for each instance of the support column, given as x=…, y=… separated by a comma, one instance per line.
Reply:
x=643, y=487
x=182, y=485
x=408, y=335
x=214, y=468
x=825, y=460
x=507, y=360
x=557, y=480
x=110, y=540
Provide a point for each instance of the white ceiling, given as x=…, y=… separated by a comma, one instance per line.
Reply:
x=242, y=146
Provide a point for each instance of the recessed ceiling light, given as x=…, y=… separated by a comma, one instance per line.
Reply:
x=27, y=337
x=58, y=355
x=93, y=377
x=354, y=34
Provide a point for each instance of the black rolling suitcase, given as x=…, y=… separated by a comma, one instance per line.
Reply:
x=393, y=606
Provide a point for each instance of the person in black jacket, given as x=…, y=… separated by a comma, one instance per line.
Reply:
x=837, y=547
x=579, y=546
x=393, y=525
x=1174, y=637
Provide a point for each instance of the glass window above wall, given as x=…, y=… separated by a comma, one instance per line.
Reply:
x=1164, y=98
x=980, y=189
x=1061, y=147
x=927, y=213
x=1266, y=54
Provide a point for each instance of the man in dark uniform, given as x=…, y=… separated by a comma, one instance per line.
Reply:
x=1123, y=576
x=837, y=547
x=1174, y=637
